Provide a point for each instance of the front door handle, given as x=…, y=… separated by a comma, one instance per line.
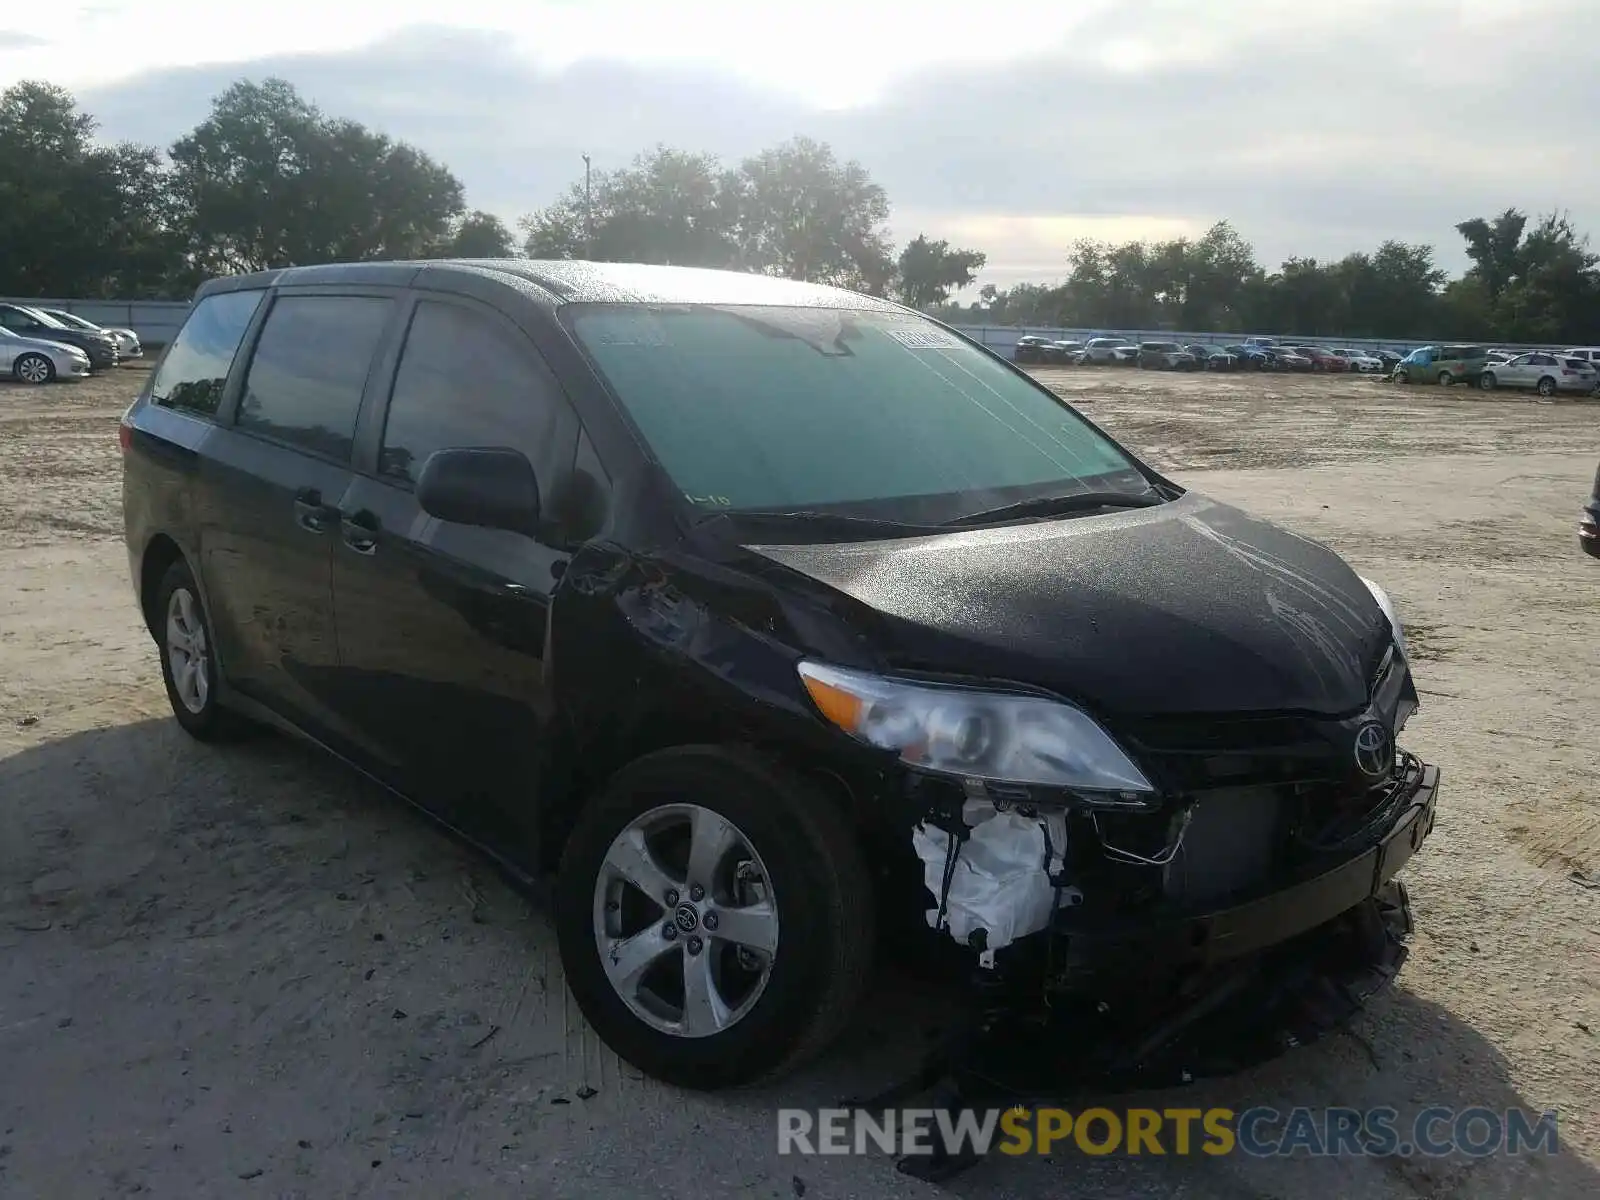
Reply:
x=360, y=531
x=310, y=513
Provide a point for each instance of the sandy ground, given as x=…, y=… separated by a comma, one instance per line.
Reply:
x=242, y=971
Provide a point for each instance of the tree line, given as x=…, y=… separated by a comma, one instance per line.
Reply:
x=268, y=180
x=1530, y=281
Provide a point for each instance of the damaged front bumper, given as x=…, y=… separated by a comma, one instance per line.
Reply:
x=1266, y=920
x=1071, y=993
x=1163, y=1002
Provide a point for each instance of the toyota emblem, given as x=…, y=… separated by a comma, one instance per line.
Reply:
x=1374, y=750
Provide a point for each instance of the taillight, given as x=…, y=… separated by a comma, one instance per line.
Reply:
x=124, y=436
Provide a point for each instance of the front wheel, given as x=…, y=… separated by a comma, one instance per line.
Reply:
x=1487, y=381
x=1446, y=379
x=33, y=368
x=715, y=917
x=1400, y=376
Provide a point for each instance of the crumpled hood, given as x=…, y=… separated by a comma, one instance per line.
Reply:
x=1187, y=607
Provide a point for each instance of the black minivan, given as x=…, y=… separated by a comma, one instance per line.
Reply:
x=780, y=624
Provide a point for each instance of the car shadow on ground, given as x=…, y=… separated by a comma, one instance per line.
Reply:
x=164, y=903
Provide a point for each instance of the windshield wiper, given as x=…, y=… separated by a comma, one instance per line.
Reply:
x=1057, y=506
x=809, y=517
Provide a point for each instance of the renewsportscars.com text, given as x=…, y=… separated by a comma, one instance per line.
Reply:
x=1260, y=1132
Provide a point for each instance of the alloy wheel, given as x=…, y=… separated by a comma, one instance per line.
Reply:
x=188, y=657
x=33, y=368
x=685, y=921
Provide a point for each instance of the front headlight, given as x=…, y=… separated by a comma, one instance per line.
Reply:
x=973, y=734
x=1382, y=597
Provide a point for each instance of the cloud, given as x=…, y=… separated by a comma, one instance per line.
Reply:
x=1313, y=134
x=16, y=39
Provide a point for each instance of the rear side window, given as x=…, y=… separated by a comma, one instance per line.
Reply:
x=465, y=381
x=196, y=366
x=310, y=368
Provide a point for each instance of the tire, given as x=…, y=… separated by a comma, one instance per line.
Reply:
x=809, y=870
x=1547, y=386
x=1401, y=377
x=193, y=696
x=34, y=368
x=1446, y=379
x=1487, y=381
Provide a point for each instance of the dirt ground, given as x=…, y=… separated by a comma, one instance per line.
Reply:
x=242, y=971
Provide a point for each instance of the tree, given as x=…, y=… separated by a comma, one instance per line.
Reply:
x=669, y=207
x=76, y=218
x=805, y=215
x=929, y=271
x=268, y=181
x=1492, y=245
x=478, y=235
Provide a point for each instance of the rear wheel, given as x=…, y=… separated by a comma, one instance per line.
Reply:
x=1547, y=386
x=714, y=916
x=33, y=368
x=188, y=657
x=1400, y=375
x=1446, y=379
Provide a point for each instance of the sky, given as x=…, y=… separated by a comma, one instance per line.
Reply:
x=1011, y=129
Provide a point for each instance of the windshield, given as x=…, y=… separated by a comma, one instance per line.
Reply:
x=67, y=320
x=879, y=414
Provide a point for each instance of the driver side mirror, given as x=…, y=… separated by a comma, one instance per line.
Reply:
x=492, y=488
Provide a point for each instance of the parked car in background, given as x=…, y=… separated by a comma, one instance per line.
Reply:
x=1443, y=365
x=1360, y=360
x=1287, y=358
x=101, y=348
x=1030, y=348
x=1389, y=358
x=1212, y=358
x=1164, y=356
x=1589, y=354
x=1110, y=350
x=1322, y=359
x=1589, y=522
x=35, y=360
x=1254, y=358
x=1498, y=356
x=1068, y=353
x=127, y=340
x=1265, y=343
x=1545, y=373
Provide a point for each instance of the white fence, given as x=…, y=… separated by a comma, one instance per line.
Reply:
x=155, y=321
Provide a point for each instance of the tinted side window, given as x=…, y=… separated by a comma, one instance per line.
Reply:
x=191, y=376
x=464, y=381
x=309, y=370
x=13, y=318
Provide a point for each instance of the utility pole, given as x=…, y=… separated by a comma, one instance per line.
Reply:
x=588, y=213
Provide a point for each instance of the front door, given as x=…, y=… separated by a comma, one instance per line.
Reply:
x=442, y=626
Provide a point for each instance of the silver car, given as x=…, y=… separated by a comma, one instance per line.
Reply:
x=1545, y=373
x=34, y=360
x=126, y=339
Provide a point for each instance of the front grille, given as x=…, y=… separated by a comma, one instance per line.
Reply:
x=1230, y=845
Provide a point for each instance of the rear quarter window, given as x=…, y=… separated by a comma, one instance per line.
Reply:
x=195, y=368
